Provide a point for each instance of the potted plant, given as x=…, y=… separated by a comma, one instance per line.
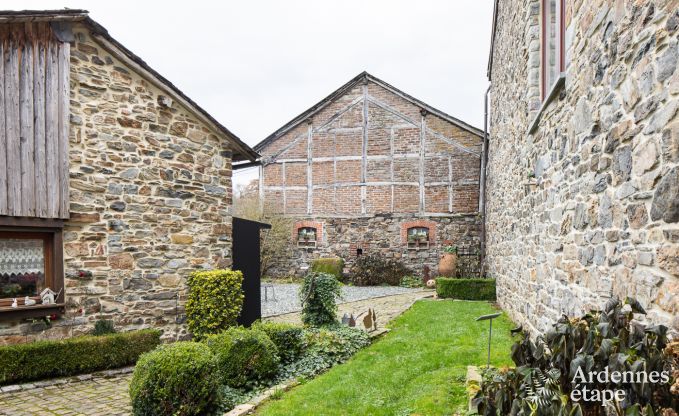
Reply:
x=448, y=261
x=412, y=238
x=422, y=237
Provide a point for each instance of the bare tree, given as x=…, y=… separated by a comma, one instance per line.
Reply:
x=276, y=241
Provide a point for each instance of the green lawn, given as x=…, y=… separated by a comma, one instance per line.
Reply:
x=417, y=369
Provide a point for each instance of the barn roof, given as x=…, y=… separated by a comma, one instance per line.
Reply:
x=241, y=150
x=358, y=79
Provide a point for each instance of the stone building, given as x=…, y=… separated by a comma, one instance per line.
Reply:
x=114, y=185
x=370, y=169
x=583, y=165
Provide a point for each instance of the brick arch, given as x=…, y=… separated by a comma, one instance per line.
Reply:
x=431, y=225
x=307, y=223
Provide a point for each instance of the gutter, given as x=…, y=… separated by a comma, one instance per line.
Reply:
x=482, y=191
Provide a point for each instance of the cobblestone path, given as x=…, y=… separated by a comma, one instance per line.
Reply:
x=96, y=396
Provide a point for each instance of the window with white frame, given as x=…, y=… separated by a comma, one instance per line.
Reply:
x=306, y=237
x=552, y=45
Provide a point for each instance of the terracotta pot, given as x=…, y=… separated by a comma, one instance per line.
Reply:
x=448, y=264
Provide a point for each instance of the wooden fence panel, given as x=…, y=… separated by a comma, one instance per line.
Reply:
x=34, y=121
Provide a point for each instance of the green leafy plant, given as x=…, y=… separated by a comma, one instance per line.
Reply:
x=175, y=379
x=600, y=341
x=450, y=249
x=245, y=357
x=466, y=289
x=411, y=281
x=215, y=301
x=319, y=293
x=332, y=265
x=289, y=339
x=326, y=347
x=103, y=327
x=85, y=354
x=374, y=270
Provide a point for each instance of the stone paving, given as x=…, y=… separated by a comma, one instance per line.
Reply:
x=386, y=308
x=108, y=395
x=98, y=396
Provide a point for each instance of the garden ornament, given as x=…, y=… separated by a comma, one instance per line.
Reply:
x=352, y=321
x=28, y=301
x=14, y=303
x=49, y=296
x=431, y=283
x=370, y=320
x=490, y=333
x=345, y=319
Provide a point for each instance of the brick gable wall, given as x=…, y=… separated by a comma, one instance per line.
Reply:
x=364, y=166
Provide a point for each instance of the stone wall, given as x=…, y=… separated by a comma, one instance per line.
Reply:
x=600, y=219
x=382, y=234
x=150, y=191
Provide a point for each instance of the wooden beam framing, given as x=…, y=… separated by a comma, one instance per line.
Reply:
x=309, y=171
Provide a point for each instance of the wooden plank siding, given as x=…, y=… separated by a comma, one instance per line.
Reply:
x=34, y=121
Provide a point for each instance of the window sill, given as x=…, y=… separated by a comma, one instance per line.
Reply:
x=7, y=313
x=556, y=87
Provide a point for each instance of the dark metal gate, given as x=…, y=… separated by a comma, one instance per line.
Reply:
x=246, y=250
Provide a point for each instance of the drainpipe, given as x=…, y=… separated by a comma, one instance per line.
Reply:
x=482, y=190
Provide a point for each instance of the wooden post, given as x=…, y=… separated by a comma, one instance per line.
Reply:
x=12, y=123
x=51, y=129
x=39, y=51
x=63, y=126
x=3, y=133
x=27, y=141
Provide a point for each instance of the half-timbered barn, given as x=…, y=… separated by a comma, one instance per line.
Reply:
x=370, y=169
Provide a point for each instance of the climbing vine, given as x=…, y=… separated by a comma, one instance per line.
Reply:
x=319, y=294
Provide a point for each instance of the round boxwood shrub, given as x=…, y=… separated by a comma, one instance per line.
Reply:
x=289, y=338
x=175, y=379
x=215, y=301
x=245, y=357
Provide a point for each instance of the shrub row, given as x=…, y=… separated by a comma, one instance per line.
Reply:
x=196, y=378
x=44, y=359
x=465, y=289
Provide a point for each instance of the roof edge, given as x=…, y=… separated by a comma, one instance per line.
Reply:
x=363, y=76
x=82, y=16
x=492, y=41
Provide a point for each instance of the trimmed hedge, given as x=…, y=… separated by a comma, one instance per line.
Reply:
x=289, y=338
x=177, y=379
x=331, y=265
x=85, y=354
x=245, y=357
x=466, y=289
x=215, y=301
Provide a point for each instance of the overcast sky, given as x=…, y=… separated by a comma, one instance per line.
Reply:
x=254, y=65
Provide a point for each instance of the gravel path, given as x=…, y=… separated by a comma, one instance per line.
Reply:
x=286, y=298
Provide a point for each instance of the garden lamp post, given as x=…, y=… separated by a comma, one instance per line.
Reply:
x=489, y=318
